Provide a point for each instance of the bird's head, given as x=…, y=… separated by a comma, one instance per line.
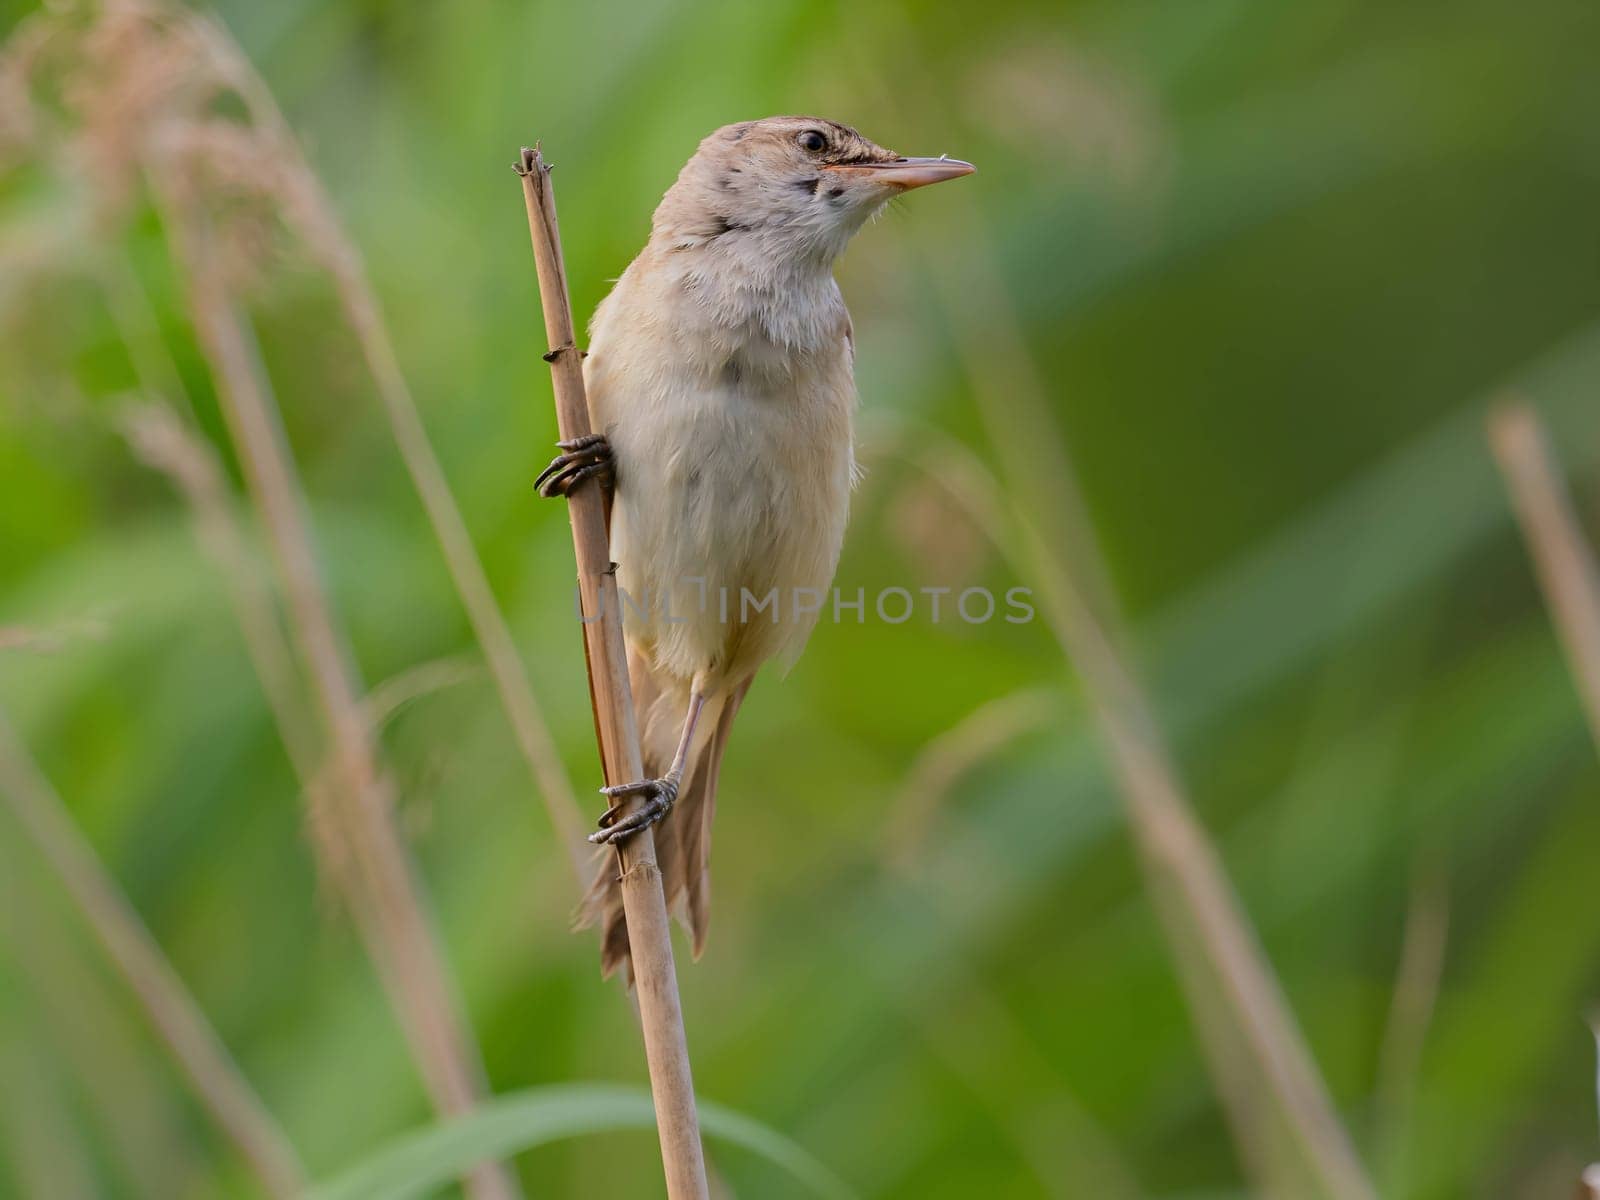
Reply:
x=791, y=187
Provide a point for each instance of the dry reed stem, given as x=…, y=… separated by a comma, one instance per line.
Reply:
x=1084, y=612
x=649, y=936
x=1565, y=566
x=160, y=440
x=384, y=893
x=178, y=1020
x=1247, y=1032
x=385, y=701
x=1563, y=560
x=1198, y=906
x=307, y=208
x=517, y=697
x=149, y=81
x=150, y=84
x=1204, y=922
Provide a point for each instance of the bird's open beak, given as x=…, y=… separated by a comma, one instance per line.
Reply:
x=907, y=173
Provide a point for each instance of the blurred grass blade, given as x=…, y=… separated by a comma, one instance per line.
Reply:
x=1411, y=1009
x=984, y=732
x=422, y=1162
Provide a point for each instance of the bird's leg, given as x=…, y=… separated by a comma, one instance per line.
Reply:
x=660, y=794
x=581, y=458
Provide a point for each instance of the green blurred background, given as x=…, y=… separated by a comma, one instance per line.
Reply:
x=1254, y=268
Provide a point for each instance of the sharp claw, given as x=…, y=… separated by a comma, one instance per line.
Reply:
x=604, y=837
x=661, y=795
x=637, y=788
x=570, y=475
x=632, y=823
x=581, y=458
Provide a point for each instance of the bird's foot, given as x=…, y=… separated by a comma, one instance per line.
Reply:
x=660, y=795
x=581, y=458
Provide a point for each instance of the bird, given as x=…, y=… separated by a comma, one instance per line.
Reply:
x=720, y=380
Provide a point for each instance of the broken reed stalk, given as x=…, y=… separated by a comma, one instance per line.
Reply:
x=1562, y=559
x=178, y=1020
x=649, y=936
x=383, y=893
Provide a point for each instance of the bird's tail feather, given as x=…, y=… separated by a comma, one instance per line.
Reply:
x=683, y=837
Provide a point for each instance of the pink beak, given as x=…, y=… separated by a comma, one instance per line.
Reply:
x=908, y=173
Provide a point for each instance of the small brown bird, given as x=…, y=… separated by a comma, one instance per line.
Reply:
x=721, y=374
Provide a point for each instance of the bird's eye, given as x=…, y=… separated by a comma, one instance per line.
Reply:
x=812, y=142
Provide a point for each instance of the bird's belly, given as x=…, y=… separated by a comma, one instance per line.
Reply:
x=729, y=515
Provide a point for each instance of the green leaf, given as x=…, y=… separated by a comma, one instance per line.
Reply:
x=431, y=1158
